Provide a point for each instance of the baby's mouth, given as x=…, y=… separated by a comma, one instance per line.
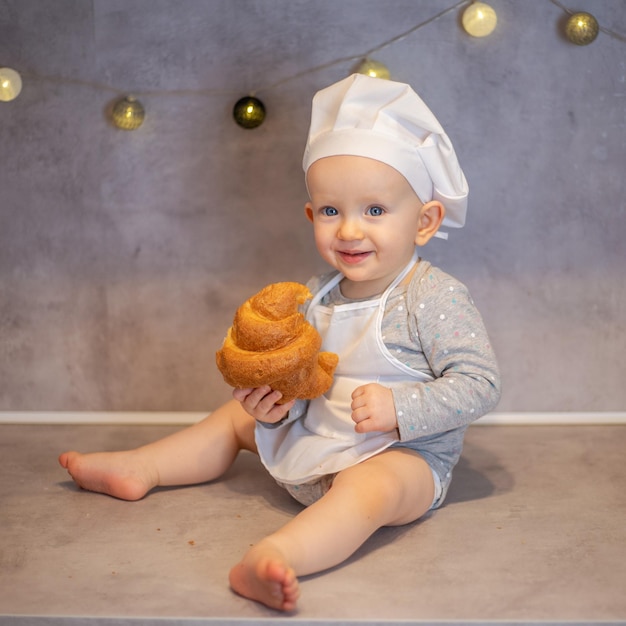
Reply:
x=352, y=256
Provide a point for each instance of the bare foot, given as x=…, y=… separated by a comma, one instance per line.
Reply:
x=120, y=474
x=263, y=575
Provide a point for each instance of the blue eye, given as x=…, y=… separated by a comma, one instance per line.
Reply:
x=329, y=211
x=375, y=211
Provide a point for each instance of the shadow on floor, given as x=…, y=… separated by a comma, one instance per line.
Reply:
x=478, y=474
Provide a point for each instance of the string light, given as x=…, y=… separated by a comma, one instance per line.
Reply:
x=10, y=84
x=375, y=69
x=131, y=115
x=249, y=112
x=581, y=28
x=128, y=113
x=479, y=19
x=607, y=31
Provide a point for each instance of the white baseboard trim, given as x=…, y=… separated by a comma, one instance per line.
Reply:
x=601, y=418
x=184, y=418
x=147, y=418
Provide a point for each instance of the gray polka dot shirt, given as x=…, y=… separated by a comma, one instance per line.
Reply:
x=433, y=326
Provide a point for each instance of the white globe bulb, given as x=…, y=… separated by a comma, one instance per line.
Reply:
x=479, y=19
x=10, y=84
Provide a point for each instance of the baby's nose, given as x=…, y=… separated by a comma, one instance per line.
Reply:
x=350, y=230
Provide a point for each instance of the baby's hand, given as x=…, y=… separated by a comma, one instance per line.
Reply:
x=260, y=403
x=373, y=409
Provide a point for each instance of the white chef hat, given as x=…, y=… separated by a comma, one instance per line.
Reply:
x=387, y=121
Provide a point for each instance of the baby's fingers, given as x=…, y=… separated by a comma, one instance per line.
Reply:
x=241, y=394
x=260, y=403
x=367, y=425
x=252, y=397
x=359, y=413
x=278, y=412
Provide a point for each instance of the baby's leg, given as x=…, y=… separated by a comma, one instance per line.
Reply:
x=393, y=488
x=196, y=454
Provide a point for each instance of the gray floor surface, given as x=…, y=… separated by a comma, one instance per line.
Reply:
x=533, y=530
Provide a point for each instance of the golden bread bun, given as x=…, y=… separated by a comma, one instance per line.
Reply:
x=271, y=343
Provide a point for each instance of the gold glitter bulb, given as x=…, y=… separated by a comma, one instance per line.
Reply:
x=249, y=112
x=375, y=69
x=581, y=28
x=128, y=113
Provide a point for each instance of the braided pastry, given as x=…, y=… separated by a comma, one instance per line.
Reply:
x=271, y=343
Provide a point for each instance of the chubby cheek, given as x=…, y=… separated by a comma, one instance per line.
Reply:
x=323, y=242
x=322, y=246
x=322, y=235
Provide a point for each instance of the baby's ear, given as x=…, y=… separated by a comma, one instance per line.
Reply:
x=308, y=211
x=431, y=216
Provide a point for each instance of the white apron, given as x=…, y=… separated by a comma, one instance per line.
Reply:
x=324, y=440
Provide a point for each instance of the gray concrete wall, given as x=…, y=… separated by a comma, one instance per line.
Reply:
x=123, y=255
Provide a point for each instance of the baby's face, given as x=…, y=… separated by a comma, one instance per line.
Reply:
x=366, y=219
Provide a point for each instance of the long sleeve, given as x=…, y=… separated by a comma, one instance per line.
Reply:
x=448, y=329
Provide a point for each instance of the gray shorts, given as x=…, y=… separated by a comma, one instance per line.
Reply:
x=310, y=492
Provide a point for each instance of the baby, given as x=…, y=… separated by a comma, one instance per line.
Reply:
x=415, y=363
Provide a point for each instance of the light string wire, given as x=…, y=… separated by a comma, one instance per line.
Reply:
x=365, y=55
x=227, y=92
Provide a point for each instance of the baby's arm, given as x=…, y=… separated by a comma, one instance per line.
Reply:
x=454, y=340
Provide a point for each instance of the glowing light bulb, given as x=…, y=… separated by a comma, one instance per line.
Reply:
x=10, y=84
x=479, y=19
x=581, y=28
x=249, y=112
x=375, y=69
x=128, y=113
